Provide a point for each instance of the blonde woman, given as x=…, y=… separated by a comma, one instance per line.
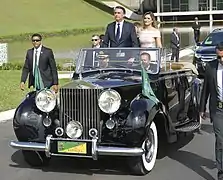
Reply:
x=149, y=34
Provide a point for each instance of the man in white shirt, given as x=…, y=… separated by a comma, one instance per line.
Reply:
x=120, y=33
x=40, y=65
x=213, y=86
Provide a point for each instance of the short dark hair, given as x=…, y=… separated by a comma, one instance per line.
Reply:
x=38, y=35
x=146, y=53
x=95, y=35
x=101, y=36
x=120, y=7
x=219, y=46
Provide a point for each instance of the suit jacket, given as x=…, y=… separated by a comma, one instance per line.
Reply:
x=128, y=36
x=174, y=41
x=210, y=87
x=47, y=67
x=196, y=27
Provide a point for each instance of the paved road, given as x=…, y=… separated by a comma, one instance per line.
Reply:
x=190, y=159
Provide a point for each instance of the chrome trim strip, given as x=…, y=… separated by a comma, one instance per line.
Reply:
x=47, y=150
x=70, y=155
x=33, y=146
x=96, y=150
x=119, y=151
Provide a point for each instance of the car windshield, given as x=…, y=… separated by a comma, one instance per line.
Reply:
x=213, y=39
x=128, y=58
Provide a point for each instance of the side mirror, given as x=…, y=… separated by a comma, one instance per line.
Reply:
x=199, y=43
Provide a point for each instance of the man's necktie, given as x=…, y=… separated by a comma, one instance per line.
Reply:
x=36, y=64
x=118, y=33
x=221, y=85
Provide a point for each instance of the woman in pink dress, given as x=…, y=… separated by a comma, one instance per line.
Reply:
x=149, y=34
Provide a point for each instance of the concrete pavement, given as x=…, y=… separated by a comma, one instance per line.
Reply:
x=191, y=158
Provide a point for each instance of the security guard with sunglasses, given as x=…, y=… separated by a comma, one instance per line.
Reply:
x=213, y=86
x=41, y=67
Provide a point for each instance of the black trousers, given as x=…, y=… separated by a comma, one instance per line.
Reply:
x=196, y=36
x=218, y=130
x=175, y=54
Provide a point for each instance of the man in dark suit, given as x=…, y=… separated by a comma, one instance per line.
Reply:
x=40, y=65
x=213, y=86
x=196, y=27
x=120, y=33
x=175, y=44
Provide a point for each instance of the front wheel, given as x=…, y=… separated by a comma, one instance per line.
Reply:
x=35, y=158
x=144, y=164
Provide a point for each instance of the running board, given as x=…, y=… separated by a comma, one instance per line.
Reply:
x=189, y=127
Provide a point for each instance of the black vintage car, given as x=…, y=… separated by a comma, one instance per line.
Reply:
x=107, y=110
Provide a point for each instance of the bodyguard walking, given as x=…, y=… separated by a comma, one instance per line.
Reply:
x=213, y=85
x=40, y=65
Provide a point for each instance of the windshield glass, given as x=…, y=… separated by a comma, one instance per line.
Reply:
x=213, y=39
x=128, y=58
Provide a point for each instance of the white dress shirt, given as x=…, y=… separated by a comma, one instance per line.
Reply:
x=219, y=81
x=121, y=27
x=38, y=55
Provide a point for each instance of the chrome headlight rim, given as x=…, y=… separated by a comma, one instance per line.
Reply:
x=118, y=103
x=69, y=128
x=51, y=102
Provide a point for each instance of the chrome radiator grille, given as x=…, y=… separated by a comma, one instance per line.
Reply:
x=80, y=105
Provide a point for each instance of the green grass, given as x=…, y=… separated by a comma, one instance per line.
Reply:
x=11, y=95
x=51, y=15
x=17, y=50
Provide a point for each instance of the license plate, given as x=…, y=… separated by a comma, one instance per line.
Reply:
x=72, y=147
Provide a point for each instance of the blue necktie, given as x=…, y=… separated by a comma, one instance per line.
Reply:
x=118, y=33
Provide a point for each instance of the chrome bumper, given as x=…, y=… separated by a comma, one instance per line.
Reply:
x=96, y=150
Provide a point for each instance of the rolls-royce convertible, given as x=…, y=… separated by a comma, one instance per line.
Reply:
x=120, y=100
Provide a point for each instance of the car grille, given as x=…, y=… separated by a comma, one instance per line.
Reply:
x=80, y=105
x=208, y=57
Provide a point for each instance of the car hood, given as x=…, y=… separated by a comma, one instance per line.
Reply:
x=206, y=50
x=108, y=80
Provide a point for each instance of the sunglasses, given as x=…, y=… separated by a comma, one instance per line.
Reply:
x=94, y=39
x=36, y=40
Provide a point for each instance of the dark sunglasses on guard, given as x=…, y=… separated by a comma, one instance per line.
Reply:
x=94, y=39
x=36, y=40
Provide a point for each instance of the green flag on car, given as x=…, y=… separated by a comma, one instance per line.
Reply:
x=146, y=88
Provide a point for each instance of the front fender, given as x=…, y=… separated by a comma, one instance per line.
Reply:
x=27, y=121
x=140, y=107
x=142, y=113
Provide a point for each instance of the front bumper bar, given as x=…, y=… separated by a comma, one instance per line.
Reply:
x=96, y=150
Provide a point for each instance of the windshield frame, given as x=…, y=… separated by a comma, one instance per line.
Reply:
x=82, y=56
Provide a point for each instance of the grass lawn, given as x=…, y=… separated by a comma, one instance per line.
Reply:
x=25, y=16
x=11, y=95
x=17, y=50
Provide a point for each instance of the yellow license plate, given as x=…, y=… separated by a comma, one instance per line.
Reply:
x=72, y=147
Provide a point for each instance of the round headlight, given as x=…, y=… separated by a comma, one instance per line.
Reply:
x=74, y=129
x=46, y=100
x=109, y=101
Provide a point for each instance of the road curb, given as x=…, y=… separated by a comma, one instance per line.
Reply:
x=7, y=115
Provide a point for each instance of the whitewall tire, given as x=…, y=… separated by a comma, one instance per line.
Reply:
x=144, y=164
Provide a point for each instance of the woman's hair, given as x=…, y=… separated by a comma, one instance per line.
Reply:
x=137, y=24
x=154, y=23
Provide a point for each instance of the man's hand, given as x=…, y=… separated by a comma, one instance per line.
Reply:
x=22, y=86
x=203, y=115
x=131, y=60
x=55, y=88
